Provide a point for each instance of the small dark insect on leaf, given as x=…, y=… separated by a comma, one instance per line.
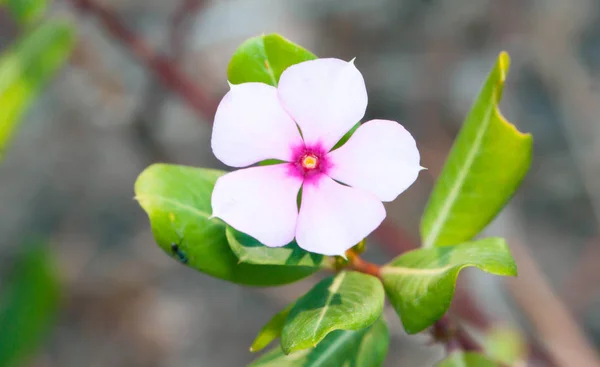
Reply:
x=180, y=255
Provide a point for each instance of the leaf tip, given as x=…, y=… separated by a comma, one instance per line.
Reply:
x=514, y=271
x=139, y=199
x=503, y=63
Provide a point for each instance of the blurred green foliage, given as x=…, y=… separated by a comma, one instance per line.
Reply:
x=28, y=305
x=26, y=67
x=26, y=12
x=29, y=300
x=506, y=345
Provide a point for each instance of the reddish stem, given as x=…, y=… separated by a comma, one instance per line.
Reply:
x=355, y=262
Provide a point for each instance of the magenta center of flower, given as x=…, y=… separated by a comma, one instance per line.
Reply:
x=310, y=162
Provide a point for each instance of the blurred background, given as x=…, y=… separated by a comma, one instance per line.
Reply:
x=118, y=105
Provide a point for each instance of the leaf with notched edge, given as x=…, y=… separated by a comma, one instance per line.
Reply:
x=420, y=283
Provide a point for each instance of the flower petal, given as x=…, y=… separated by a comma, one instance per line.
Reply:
x=381, y=157
x=334, y=217
x=251, y=126
x=259, y=201
x=326, y=97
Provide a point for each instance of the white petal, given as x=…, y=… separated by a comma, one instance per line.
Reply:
x=259, y=201
x=381, y=157
x=251, y=126
x=326, y=97
x=334, y=217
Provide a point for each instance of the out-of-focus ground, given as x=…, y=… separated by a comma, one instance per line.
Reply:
x=69, y=176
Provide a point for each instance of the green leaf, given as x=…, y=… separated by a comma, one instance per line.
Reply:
x=488, y=161
x=420, y=283
x=355, y=348
x=264, y=58
x=26, y=12
x=271, y=331
x=373, y=348
x=348, y=301
x=505, y=345
x=24, y=70
x=249, y=250
x=467, y=359
x=28, y=307
x=177, y=201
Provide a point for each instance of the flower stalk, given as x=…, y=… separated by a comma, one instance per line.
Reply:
x=355, y=262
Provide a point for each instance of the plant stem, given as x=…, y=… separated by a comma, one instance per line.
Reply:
x=355, y=262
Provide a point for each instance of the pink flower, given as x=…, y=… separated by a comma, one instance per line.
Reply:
x=299, y=122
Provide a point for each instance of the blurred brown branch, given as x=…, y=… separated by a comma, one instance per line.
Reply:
x=162, y=67
x=581, y=285
x=178, y=26
x=154, y=96
x=562, y=336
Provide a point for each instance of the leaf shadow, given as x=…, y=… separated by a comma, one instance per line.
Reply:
x=290, y=254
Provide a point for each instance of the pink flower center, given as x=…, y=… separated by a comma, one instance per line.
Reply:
x=310, y=162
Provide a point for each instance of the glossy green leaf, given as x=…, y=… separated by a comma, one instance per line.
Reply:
x=28, y=307
x=373, y=347
x=24, y=70
x=467, y=359
x=177, y=201
x=420, y=284
x=26, y=11
x=271, y=331
x=488, y=161
x=348, y=301
x=505, y=345
x=249, y=250
x=354, y=348
x=264, y=58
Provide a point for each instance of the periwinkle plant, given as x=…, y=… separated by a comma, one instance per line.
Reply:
x=317, y=191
